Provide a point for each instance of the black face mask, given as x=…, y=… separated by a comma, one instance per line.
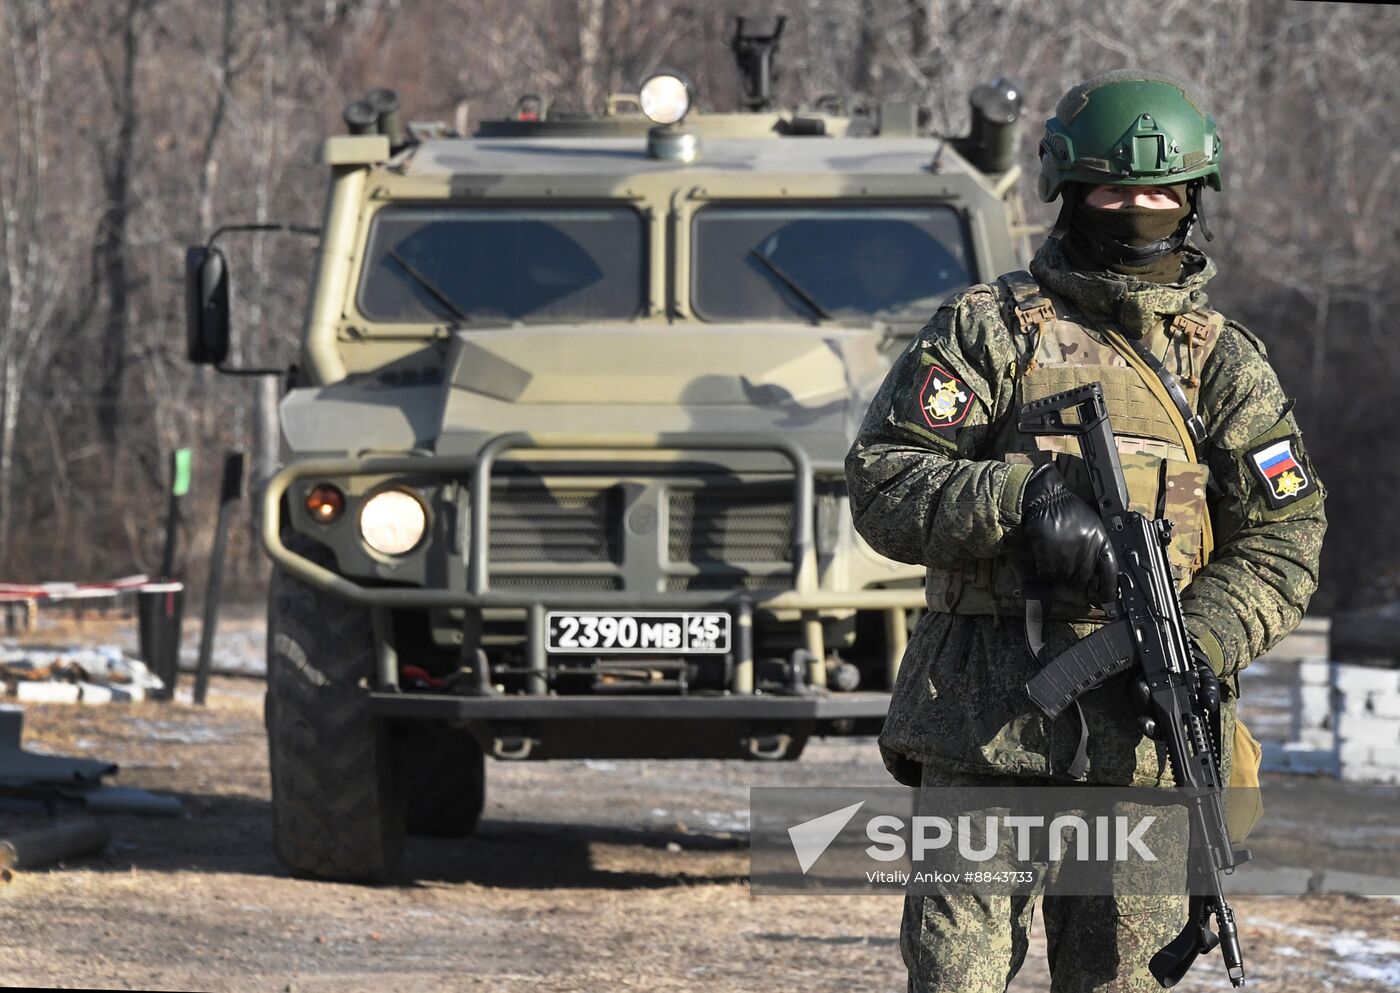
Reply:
x=1135, y=241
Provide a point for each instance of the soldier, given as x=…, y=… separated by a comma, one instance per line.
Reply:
x=939, y=476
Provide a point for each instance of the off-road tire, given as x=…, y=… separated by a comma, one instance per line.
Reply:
x=337, y=803
x=444, y=777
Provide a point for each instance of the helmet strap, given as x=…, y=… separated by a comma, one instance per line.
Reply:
x=1198, y=207
x=1069, y=193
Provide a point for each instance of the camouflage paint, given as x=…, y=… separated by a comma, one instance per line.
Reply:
x=368, y=389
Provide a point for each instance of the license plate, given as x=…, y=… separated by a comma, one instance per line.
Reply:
x=638, y=633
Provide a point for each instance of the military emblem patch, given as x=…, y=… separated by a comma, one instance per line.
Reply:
x=944, y=399
x=1283, y=476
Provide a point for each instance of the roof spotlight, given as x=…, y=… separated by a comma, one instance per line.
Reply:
x=666, y=96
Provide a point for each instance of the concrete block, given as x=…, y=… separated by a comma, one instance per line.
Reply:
x=94, y=693
x=1384, y=704
x=1299, y=758
x=47, y=692
x=1323, y=738
x=1386, y=755
x=1314, y=705
x=1355, y=703
x=1370, y=774
x=1372, y=730
x=1316, y=672
x=1355, y=753
x=1363, y=679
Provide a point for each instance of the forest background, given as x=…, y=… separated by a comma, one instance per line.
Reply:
x=130, y=128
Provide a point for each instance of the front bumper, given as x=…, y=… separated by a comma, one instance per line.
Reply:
x=814, y=708
x=762, y=727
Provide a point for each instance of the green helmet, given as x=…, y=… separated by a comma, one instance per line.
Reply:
x=1129, y=128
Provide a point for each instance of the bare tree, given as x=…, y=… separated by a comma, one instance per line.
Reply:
x=33, y=273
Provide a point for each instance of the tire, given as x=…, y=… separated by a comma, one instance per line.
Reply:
x=337, y=803
x=444, y=776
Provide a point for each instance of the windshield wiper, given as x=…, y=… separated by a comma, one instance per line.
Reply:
x=427, y=284
x=792, y=284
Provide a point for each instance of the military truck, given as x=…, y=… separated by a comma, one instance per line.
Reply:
x=563, y=447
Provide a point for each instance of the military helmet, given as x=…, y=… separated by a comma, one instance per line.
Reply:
x=1130, y=128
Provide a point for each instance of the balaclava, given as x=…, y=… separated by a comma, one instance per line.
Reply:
x=1142, y=242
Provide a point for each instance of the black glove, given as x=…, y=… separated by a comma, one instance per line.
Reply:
x=1207, y=682
x=1065, y=538
x=1207, y=691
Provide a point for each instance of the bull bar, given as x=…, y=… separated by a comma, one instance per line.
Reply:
x=804, y=596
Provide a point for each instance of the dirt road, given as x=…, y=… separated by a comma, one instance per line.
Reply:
x=584, y=876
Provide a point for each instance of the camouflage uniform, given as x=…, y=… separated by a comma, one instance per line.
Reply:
x=973, y=943
x=948, y=496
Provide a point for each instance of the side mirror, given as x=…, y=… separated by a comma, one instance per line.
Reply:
x=206, y=305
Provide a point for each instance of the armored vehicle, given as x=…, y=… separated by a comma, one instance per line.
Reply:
x=563, y=448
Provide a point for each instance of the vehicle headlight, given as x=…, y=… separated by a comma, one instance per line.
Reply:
x=665, y=97
x=392, y=522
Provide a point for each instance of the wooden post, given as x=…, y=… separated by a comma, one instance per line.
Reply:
x=229, y=494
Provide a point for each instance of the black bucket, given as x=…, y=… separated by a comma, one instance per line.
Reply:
x=160, y=607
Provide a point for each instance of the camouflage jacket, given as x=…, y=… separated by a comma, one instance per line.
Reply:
x=936, y=497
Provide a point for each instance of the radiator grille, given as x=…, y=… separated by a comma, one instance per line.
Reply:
x=724, y=531
x=536, y=524
x=735, y=525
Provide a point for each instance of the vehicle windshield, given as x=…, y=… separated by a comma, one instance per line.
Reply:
x=530, y=264
x=892, y=262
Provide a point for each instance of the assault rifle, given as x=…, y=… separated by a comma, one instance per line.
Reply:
x=1147, y=633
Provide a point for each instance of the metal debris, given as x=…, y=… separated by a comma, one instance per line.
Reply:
x=44, y=778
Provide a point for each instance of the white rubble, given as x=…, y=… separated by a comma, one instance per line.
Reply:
x=1346, y=723
x=94, y=674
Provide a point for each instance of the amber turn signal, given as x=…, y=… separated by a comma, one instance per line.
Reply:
x=325, y=503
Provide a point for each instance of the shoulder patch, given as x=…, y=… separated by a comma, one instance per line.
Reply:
x=1281, y=474
x=944, y=400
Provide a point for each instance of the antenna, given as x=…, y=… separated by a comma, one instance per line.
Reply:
x=754, y=52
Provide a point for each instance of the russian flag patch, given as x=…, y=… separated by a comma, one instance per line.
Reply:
x=1281, y=474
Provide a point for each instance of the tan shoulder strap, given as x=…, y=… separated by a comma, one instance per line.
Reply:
x=1032, y=307
x=1199, y=330
x=1169, y=403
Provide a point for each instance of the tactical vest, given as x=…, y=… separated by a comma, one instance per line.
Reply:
x=1158, y=435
